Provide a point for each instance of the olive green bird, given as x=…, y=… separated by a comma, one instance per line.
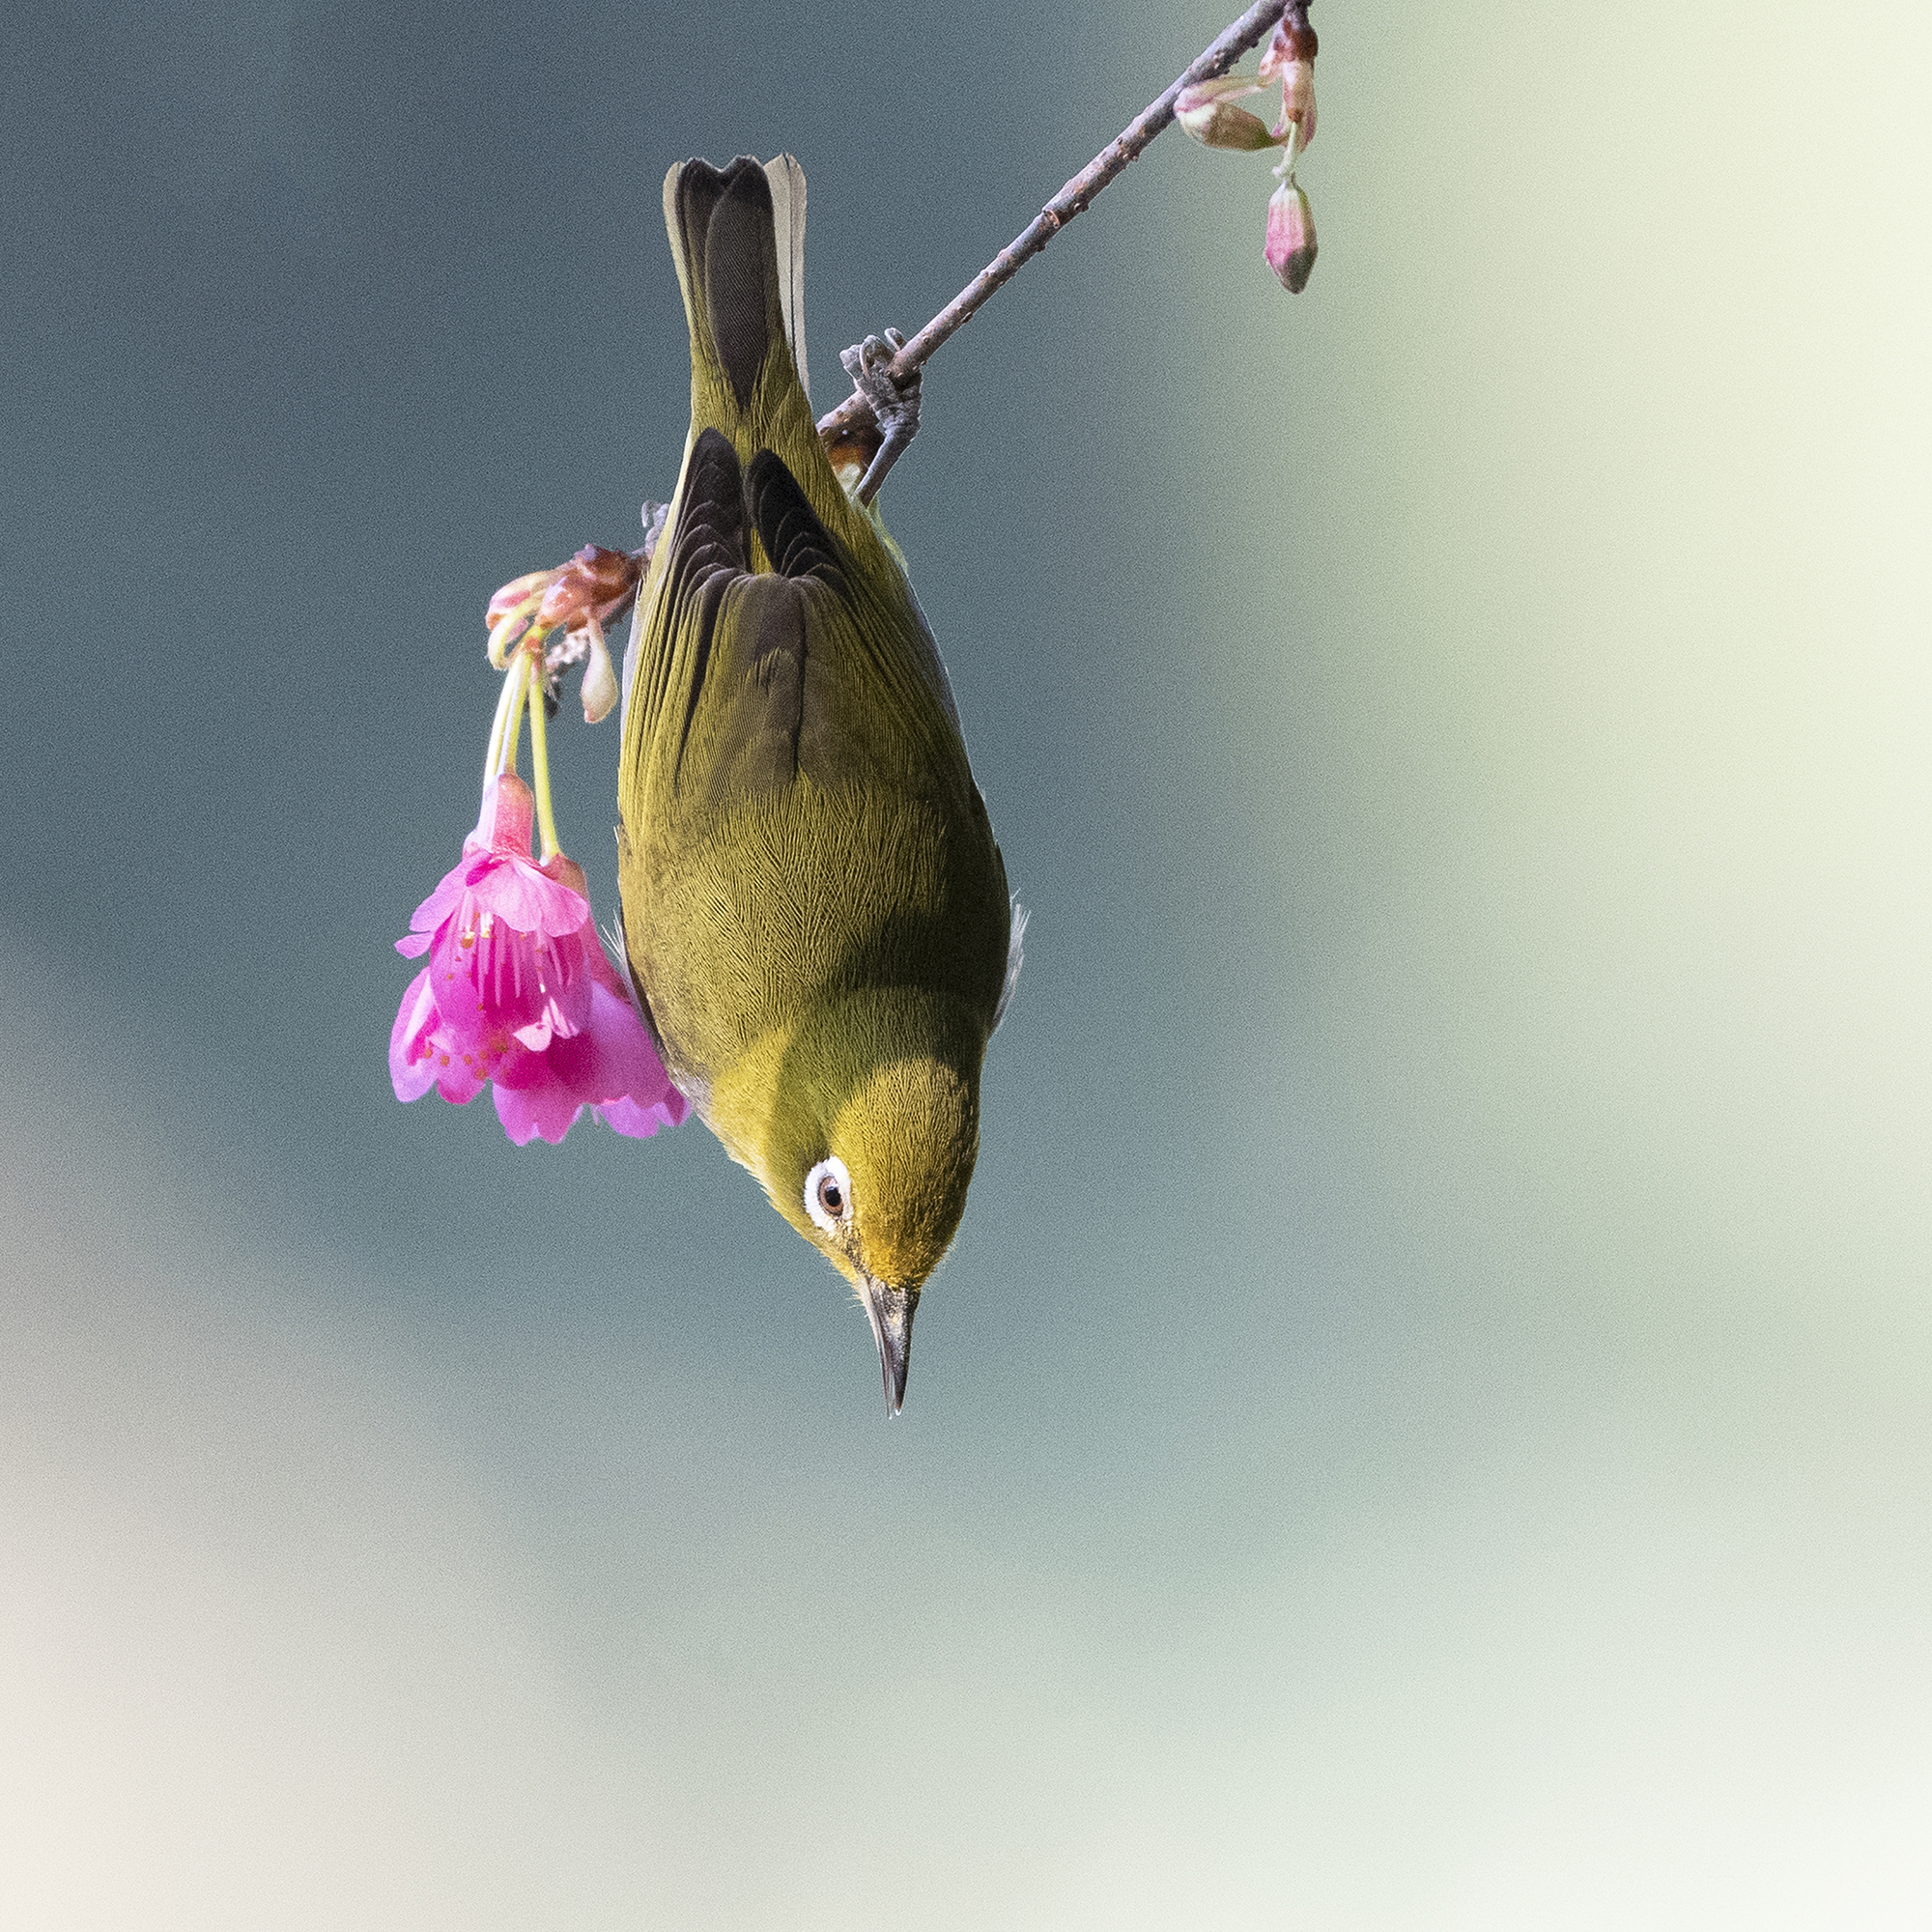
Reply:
x=815, y=912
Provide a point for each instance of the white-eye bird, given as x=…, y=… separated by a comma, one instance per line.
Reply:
x=814, y=910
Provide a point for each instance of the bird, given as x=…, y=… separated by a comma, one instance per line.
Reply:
x=815, y=911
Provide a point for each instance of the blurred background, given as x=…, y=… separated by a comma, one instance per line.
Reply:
x=1426, y=1424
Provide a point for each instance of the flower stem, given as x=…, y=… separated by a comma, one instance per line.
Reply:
x=1073, y=199
x=540, y=764
x=493, y=756
x=513, y=726
x=1288, y=155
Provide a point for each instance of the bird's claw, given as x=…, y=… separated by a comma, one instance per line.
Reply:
x=894, y=405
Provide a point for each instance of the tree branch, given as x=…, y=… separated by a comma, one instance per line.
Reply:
x=1071, y=200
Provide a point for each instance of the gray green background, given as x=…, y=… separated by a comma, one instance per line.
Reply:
x=1426, y=1422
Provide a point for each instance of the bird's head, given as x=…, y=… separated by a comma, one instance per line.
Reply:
x=863, y=1124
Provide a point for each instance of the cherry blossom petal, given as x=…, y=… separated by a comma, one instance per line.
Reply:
x=515, y=892
x=441, y=904
x=548, y=1108
x=639, y=1124
x=411, y=1068
x=624, y=1063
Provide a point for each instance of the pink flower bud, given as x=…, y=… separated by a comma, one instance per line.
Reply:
x=1297, y=103
x=513, y=610
x=593, y=583
x=599, y=689
x=577, y=598
x=1206, y=111
x=527, y=588
x=1291, y=238
x=1292, y=39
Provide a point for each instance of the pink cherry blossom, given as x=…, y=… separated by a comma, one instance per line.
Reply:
x=517, y=992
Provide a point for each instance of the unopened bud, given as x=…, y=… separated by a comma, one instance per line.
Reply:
x=1292, y=39
x=594, y=581
x=503, y=635
x=1297, y=103
x=851, y=452
x=1289, y=248
x=513, y=610
x=1206, y=111
x=527, y=590
x=599, y=689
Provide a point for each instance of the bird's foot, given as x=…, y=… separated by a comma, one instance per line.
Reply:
x=894, y=407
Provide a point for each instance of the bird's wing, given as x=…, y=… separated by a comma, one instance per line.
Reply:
x=754, y=677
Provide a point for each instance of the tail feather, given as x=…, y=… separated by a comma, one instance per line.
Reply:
x=737, y=236
x=787, y=184
x=738, y=233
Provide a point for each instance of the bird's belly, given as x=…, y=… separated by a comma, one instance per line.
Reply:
x=738, y=919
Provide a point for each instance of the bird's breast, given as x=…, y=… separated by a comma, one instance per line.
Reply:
x=788, y=895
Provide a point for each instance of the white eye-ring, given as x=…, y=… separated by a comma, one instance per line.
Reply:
x=828, y=1194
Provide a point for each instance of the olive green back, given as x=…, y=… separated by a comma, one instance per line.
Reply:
x=798, y=817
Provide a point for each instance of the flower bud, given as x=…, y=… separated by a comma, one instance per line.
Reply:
x=1297, y=103
x=575, y=599
x=599, y=689
x=595, y=580
x=1292, y=39
x=851, y=452
x=1289, y=248
x=513, y=610
x=527, y=590
x=1206, y=111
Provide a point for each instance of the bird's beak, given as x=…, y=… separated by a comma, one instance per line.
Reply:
x=890, y=1310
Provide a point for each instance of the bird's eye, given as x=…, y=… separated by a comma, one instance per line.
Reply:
x=828, y=1194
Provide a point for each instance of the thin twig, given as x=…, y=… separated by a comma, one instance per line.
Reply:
x=1071, y=200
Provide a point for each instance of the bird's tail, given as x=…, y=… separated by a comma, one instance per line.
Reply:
x=738, y=235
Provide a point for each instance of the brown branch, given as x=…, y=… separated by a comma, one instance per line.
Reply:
x=1071, y=200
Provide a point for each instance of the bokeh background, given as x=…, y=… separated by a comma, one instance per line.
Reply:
x=1426, y=1422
